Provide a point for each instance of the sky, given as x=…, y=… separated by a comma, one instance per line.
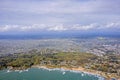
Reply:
x=36, y=16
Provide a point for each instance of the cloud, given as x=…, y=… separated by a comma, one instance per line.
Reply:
x=61, y=6
x=113, y=24
x=84, y=27
x=58, y=11
x=5, y=28
x=110, y=25
x=60, y=27
x=59, y=15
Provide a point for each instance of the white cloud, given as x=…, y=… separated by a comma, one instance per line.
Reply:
x=84, y=27
x=8, y=28
x=110, y=25
x=113, y=24
x=59, y=27
x=33, y=27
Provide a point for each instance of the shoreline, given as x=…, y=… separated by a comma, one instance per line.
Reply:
x=106, y=76
x=82, y=70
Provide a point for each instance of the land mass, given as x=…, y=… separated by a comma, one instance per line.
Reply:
x=107, y=66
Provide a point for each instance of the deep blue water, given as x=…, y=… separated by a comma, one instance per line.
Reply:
x=44, y=74
x=51, y=36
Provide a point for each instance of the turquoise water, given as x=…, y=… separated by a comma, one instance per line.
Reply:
x=45, y=74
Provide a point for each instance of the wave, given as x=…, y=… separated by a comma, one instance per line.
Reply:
x=63, y=72
x=8, y=71
x=20, y=71
x=74, y=71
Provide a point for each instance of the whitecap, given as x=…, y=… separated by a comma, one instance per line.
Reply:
x=82, y=74
x=8, y=71
x=20, y=71
x=17, y=70
x=26, y=70
x=75, y=71
x=63, y=73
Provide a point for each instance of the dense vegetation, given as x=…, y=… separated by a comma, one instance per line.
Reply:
x=68, y=59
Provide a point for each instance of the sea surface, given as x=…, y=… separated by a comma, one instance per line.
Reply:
x=46, y=74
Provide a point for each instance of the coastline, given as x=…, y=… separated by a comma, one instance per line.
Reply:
x=104, y=75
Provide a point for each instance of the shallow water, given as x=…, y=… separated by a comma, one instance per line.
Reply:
x=45, y=74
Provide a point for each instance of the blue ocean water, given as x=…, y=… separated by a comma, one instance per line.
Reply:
x=44, y=74
x=56, y=35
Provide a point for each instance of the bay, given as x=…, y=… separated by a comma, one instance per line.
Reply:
x=46, y=74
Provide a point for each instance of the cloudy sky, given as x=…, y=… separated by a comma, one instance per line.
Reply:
x=59, y=15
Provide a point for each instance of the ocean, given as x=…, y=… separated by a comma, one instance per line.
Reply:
x=46, y=74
